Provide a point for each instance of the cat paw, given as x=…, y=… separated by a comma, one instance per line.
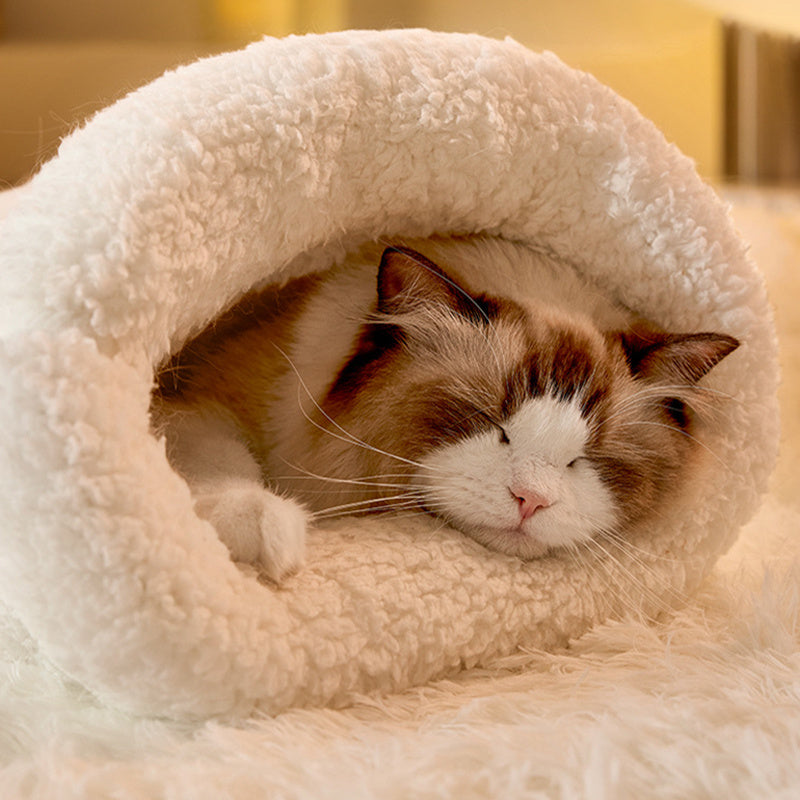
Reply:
x=258, y=527
x=283, y=537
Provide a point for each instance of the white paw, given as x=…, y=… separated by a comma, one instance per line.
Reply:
x=258, y=527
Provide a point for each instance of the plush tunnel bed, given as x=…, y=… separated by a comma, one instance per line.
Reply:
x=263, y=164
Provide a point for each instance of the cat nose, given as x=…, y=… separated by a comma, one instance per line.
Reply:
x=529, y=501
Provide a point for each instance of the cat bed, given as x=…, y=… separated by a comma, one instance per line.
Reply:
x=266, y=163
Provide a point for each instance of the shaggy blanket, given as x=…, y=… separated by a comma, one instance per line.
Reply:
x=263, y=164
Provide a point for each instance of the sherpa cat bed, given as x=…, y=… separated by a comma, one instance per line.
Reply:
x=261, y=164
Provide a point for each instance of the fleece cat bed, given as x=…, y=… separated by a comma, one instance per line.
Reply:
x=259, y=165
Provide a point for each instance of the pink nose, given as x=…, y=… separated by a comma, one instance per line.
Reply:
x=529, y=501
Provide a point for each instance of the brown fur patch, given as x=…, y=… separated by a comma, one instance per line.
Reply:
x=226, y=364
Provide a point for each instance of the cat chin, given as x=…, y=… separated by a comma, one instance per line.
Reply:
x=549, y=532
x=524, y=544
x=511, y=542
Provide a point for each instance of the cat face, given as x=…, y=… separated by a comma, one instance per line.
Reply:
x=526, y=429
x=527, y=485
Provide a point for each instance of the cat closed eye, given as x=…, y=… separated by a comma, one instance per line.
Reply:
x=500, y=429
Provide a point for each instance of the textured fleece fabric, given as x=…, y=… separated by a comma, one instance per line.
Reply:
x=261, y=164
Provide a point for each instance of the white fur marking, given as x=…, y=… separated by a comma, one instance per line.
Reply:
x=545, y=437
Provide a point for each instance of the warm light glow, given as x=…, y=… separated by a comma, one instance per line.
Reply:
x=235, y=19
x=775, y=15
x=249, y=19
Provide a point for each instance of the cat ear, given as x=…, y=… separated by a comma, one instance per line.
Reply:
x=406, y=279
x=674, y=357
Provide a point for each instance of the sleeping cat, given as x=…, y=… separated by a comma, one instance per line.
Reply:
x=481, y=382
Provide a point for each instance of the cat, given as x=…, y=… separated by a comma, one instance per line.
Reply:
x=473, y=379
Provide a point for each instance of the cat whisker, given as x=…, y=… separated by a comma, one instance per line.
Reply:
x=688, y=435
x=599, y=567
x=347, y=437
x=308, y=475
x=408, y=514
x=353, y=491
x=634, y=400
x=654, y=598
x=361, y=479
x=342, y=491
x=643, y=558
x=597, y=564
x=375, y=504
x=701, y=389
x=368, y=501
x=631, y=549
x=361, y=512
x=664, y=390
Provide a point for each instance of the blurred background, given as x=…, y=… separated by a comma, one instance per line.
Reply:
x=721, y=78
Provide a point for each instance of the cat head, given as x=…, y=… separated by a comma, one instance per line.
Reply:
x=528, y=429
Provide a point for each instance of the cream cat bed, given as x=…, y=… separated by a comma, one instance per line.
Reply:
x=262, y=164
